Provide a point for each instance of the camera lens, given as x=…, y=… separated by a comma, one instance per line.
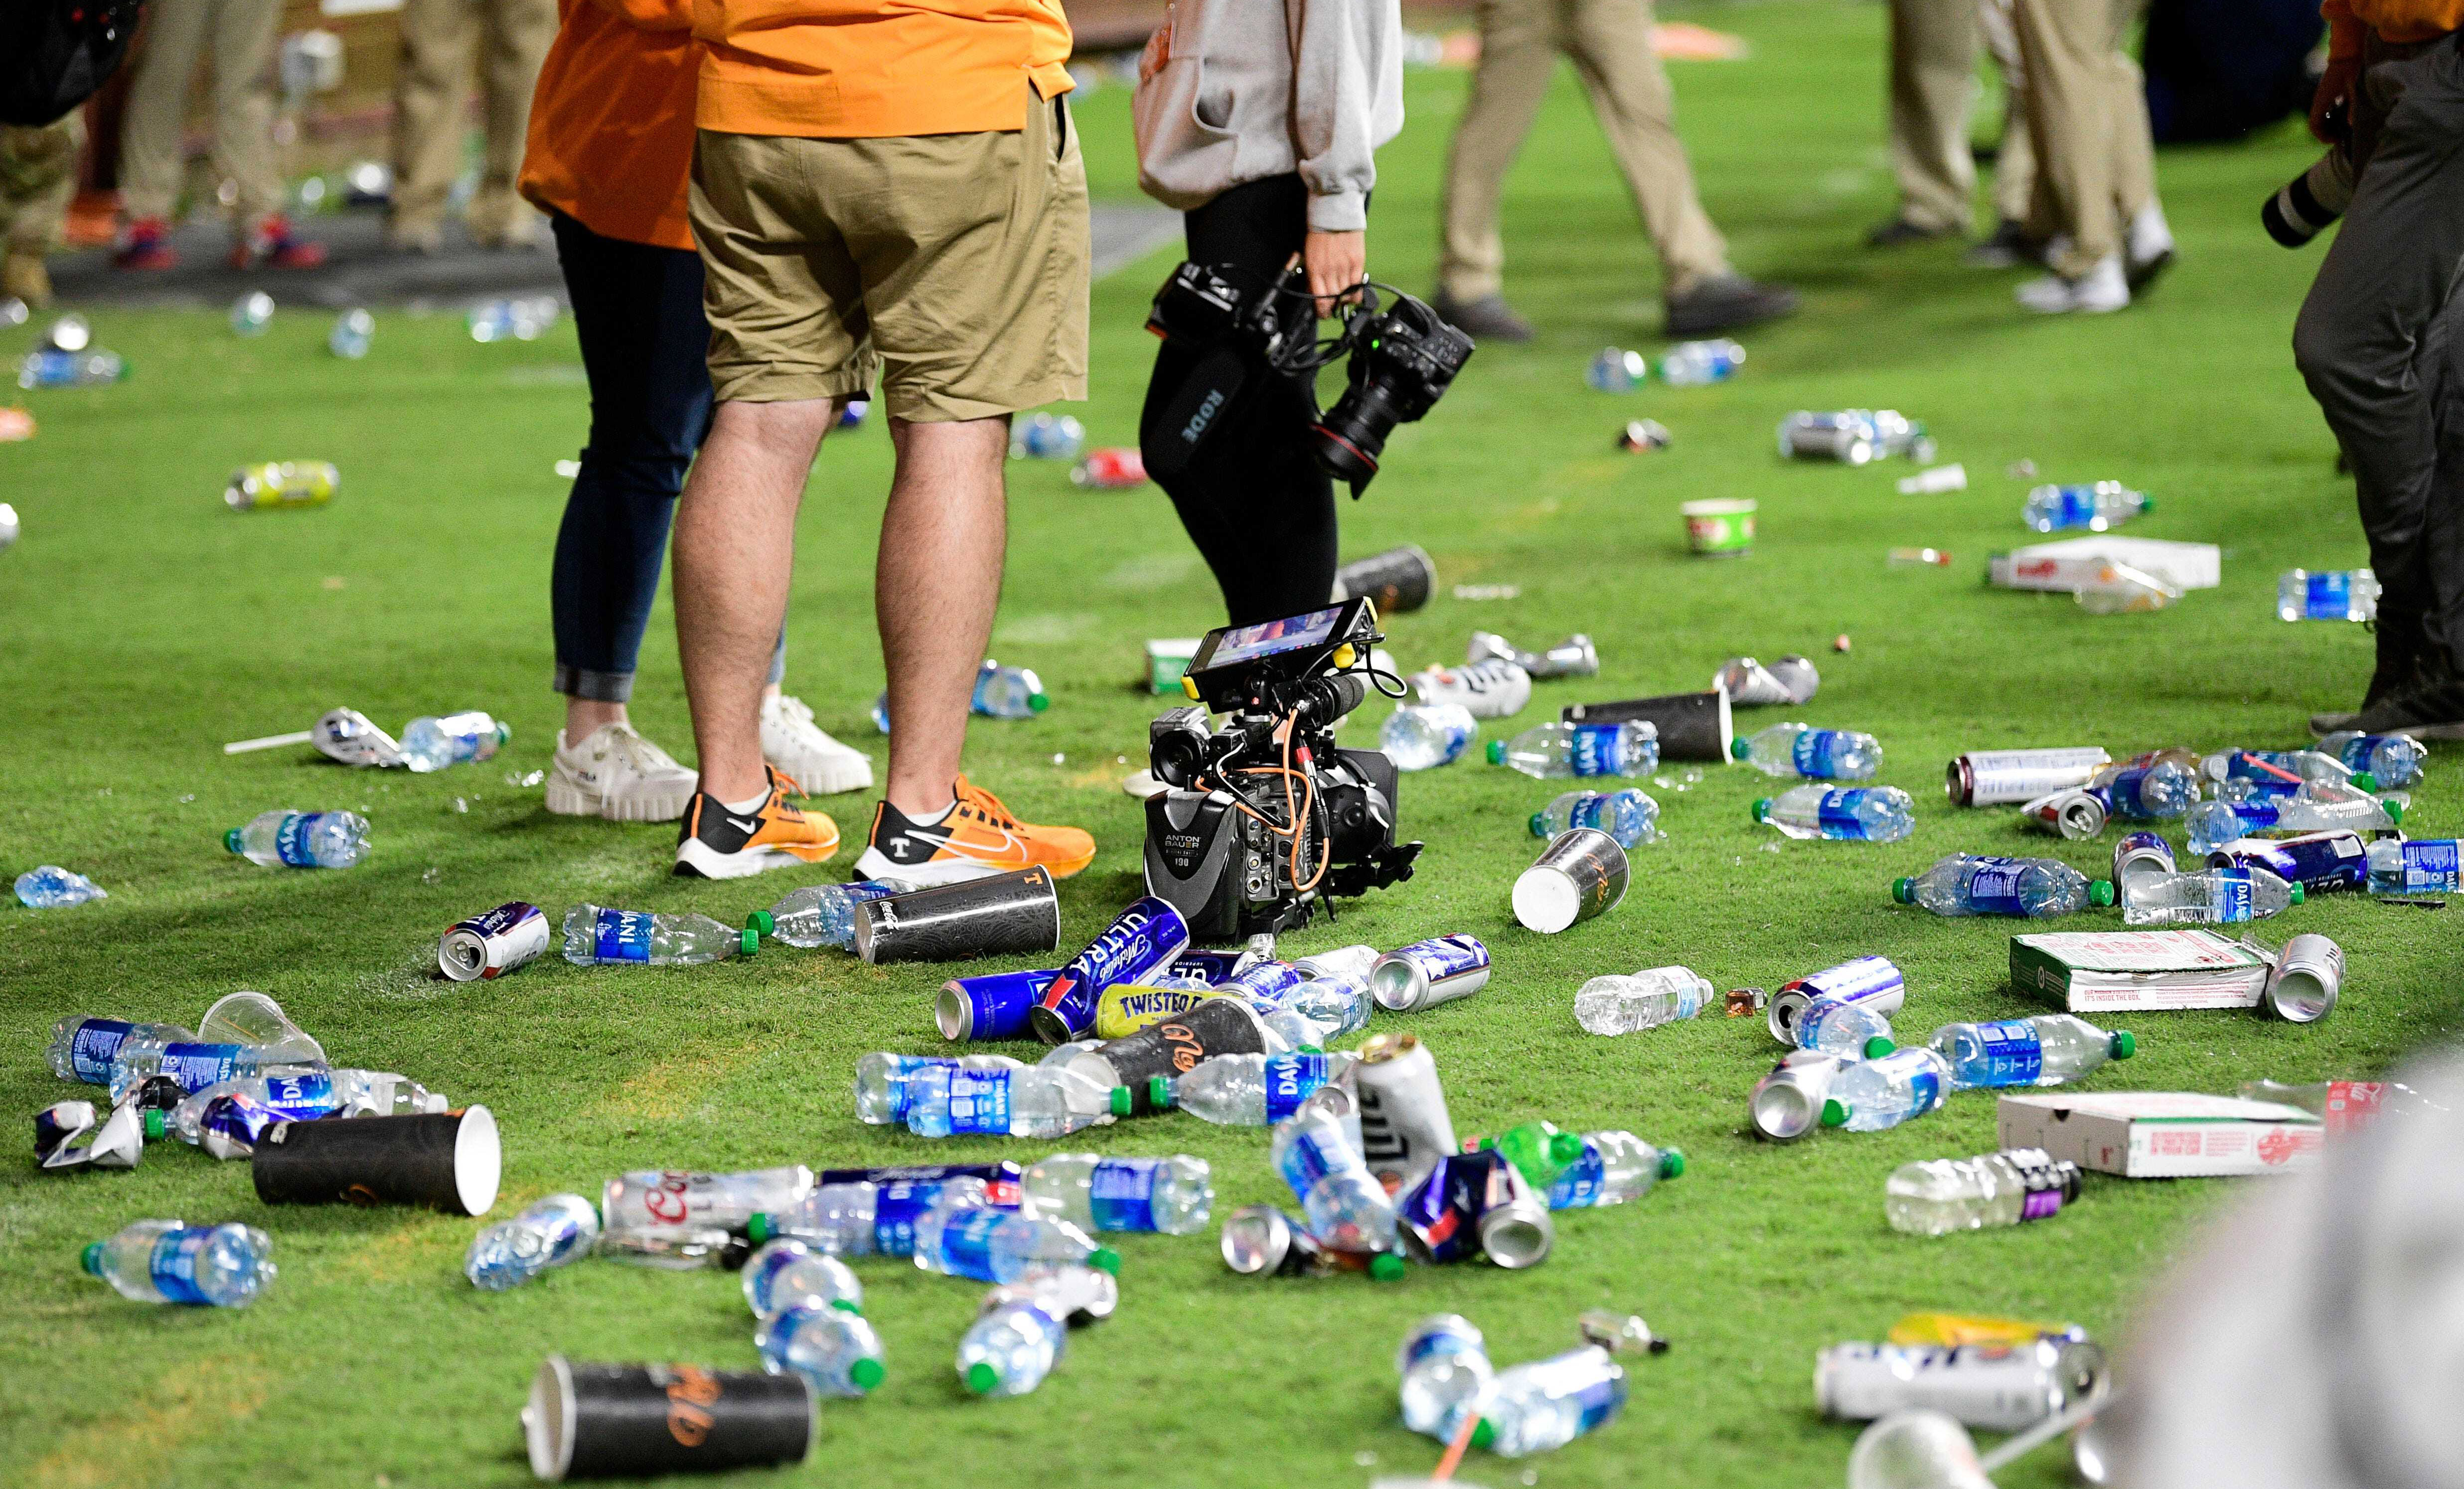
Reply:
x=1353, y=434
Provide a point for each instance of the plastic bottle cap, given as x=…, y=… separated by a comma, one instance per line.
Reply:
x=2146, y=503
x=1739, y=749
x=867, y=1372
x=2100, y=892
x=1484, y=1433
x=91, y=1259
x=752, y=941
x=1762, y=808
x=2296, y=894
x=1834, y=1115
x=1496, y=756
x=1103, y=1258
x=2394, y=808
x=1119, y=1100
x=153, y=1124
x=759, y=1229
x=1904, y=891
x=1038, y=702
x=230, y=841
x=1539, y=825
x=760, y=922
x=1159, y=1096
x=847, y=1305
x=1672, y=1163
x=1879, y=1045
x=1386, y=1267
x=2125, y=1044
x=2364, y=780
x=981, y=1377
x=1566, y=1150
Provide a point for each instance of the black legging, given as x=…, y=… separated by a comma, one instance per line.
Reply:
x=1254, y=501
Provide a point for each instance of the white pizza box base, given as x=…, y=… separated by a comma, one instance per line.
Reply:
x=2163, y=1134
x=2103, y=972
x=2073, y=563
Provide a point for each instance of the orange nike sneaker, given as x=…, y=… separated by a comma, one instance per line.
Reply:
x=977, y=839
x=715, y=842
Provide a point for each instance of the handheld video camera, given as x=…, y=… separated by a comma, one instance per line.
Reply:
x=1402, y=362
x=1264, y=818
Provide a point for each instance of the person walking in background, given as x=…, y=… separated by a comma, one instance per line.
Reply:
x=240, y=35
x=610, y=160
x=1308, y=90
x=1934, y=89
x=2096, y=160
x=2376, y=343
x=442, y=40
x=1611, y=44
x=37, y=180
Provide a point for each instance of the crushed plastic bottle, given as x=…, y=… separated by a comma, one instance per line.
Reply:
x=1546, y=1404
x=431, y=744
x=835, y=1350
x=1335, y=1007
x=2097, y=508
x=549, y=1234
x=1854, y=436
x=303, y=1097
x=885, y=1083
x=2214, y=823
x=163, y=1261
x=2392, y=761
x=1940, y=1196
x=1424, y=735
x=302, y=839
x=1865, y=814
x=823, y=915
x=1251, y=1090
x=2327, y=595
x=1851, y=1029
x=863, y=1219
x=50, y=367
x=2287, y=767
x=949, y=1100
x=1800, y=749
x=2423, y=867
x=1628, y=815
x=1556, y=751
x=1493, y=689
x=2164, y=788
x=1170, y=1196
x=598, y=937
x=2043, y=1051
x=784, y=1273
x=2032, y=888
x=1446, y=1372
x=1616, y=1167
x=1010, y=1348
x=1003, y=1245
x=1621, y=1005
x=83, y=1047
x=51, y=887
x=2208, y=896
x=1749, y=683
x=1868, y=1096
x=1346, y=1208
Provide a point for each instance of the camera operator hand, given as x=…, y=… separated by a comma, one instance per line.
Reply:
x=1338, y=265
x=2336, y=86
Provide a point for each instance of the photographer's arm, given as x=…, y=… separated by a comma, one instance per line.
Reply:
x=1340, y=51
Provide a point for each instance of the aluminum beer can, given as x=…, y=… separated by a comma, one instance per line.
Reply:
x=1123, y=1009
x=1261, y=1240
x=1873, y=980
x=2319, y=862
x=492, y=944
x=1476, y=1204
x=2308, y=975
x=2139, y=855
x=1001, y=1180
x=1404, y=1126
x=1582, y=872
x=1998, y=1388
x=1138, y=946
x=1429, y=972
x=2073, y=812
x=1787, y=1103
x=992, y=1006
x=2006, y=777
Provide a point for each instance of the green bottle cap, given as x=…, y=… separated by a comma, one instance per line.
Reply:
x=1120, y=1101
x=758, y=1229
x=752, y=941
x=1386, y=1267
x=230, y=841
x=2296, y=894
x=2146, y=502
x=1834, y=1115
x=1038, y=702
x=2394, y=808
x=1762, y=808
x=1739, y=749
x=847, y=1305
x=1103, y=1258
x=2125, y=1044
x=2364, y=780
x=1539, y=825
x=91, y=1259
x=1904, y=891
x=1672, y=1163
x=867, y=1372
x=1484, y=1433
x=1564, y=1148
x=1159, y=1092
x=760, y=922
x=981, y=1377
x=1879, y=1045
x=504, y=732
x=1496, y=752
x=153, y=1124
x=2100, y=892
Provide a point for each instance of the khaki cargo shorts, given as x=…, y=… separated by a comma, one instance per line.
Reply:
x=954, y=267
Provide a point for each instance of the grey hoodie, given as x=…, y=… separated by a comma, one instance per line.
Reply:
x=1234, y=91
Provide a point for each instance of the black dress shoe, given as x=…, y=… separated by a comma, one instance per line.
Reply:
x=1728, y=303
x=1900, y=232
x=1487, y=318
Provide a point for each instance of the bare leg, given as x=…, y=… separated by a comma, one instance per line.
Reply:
x=734, y=551
x=585, y=717
x=935, y=587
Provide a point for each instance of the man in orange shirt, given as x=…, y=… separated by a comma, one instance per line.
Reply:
x=610, y=147
x=891, y=189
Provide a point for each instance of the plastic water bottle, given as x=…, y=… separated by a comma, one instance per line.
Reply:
x=1345, y=1207
x=598, y=937
x=2043, y=1051
x=1693, y=364
x=2327, y=595
x=1616, y=1167
x=885, y=1083
x=353, y=332
x=302, y=839
x=950, y=1100
x=303, y=1097
x=48, y=367
x=821, y=915
x=1424, y=735
x=1941, y=1196
x=2274, y=766
x=1628, y=815
x=51, y=887
x=82, y=1047
x=2392, y=760
x=1617, y=370
x=1335, y=1007
x=2096, y=508
x=2166, y=789
x=2209, y=897
x=1252, y=1090
x=1046, y=436
x=834, y=1349
x=1546, y=1404
x=1009, y=693
x=1865, y=814
x=164, y=1261
x=2214, y=823
x=551, y=1233
x=1445, y=1374
x=1009, y=1350
x=1968, y=884
x=1622, y=1005
x=1850, y=1029
x=1172, y=1196
x=865, y=1219
x=431, y=744
x=784, y=1273
x=251, y=313
x=1003, y=1245
x=511, y=320
x=197, y=1064
x=1817, y=754
x=1553, y=751
x=2423, y=866
x=1868, y=1096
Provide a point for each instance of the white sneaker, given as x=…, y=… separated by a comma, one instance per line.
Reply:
x=792, y=743
x=2148, y=250
x=617, y=774
x=2100, y=290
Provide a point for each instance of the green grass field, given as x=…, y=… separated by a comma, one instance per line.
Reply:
x=146, y=625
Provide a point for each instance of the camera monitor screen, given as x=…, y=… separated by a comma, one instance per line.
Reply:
x=1273, y=638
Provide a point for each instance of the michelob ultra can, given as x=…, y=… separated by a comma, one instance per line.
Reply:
x=1138, y=946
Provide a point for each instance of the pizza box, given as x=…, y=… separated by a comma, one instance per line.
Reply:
x=2074, y=562
x=2100, y=971
x=2163, y=1134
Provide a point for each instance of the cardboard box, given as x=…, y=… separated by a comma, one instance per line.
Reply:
x=2097, y=971
x=2073, y=563
x=2163, y=1134
x=1168, y=661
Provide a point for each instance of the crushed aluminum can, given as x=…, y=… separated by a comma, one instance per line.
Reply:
x=1744, y=1002
x=2308, y=976
x=1261, y=1240
x=1749, y=683
x=1620, y=1333
x=1576, y=657
x=2072, y=812
x=2322, y=863
x=118, y=1144
x=59, y=1124
x=1475, y=1204
x=2138, y=856
x=1640, y=435
x=346, y=735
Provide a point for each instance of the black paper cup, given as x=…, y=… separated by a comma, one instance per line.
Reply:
x=1582, y=872
x=638, y=1421
x=447, y=1161
x=1007, y=915
x=1172, y=1048
x=1692, y=725
x=1397, y=581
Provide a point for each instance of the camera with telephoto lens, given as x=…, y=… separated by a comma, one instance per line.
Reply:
x=1264, y=818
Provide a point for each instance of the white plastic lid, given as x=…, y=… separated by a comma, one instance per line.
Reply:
x=1546, y=900
x=478, y=1161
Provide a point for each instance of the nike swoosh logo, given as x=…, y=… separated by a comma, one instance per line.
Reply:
x=742, y=826
x=1010, y=842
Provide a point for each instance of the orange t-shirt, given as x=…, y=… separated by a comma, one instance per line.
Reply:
x=611, y=135
x=2394, y=20
x=874, y=69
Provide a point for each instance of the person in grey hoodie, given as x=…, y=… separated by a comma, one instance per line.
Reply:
x=1261, y=121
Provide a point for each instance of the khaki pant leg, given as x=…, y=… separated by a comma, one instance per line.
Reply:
x=2015, y=167
x=439, y=40
x=151, y=163
x=517, y=36
x=37, y=180
x=2134, y=138
x=1610, y=41
x=1933, y=87
x=2066, y=47
x=243, y=97
x=1518, y=51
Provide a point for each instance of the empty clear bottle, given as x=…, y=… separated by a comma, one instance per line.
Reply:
x=2096, y=508
x=952, y=1100
x=866, y=1219
x=1003, y=1245
x=164, y=1261
x=885, y=1083
x=1627, y=815
x=1868, y=1096
x=1864, y=814
x=2043, y=1051
x=196, y=1064
x=302, y=839
x=652, y=1199
x=304, y=1097
x=2423, y=866
x=784, y=1273
x=2209, y=897
x=834, y=1349
x=2274, y=765
x=1622, y=1005
x=1172, y=1196
x=2327, y=594
x=1010, y=1350
x=1546, y=1404
x=51, y=887
x=1615, y=1166
x=1252, y=1090
x=1967, y=884
x=1850, y=1029
x=1694, y=363
x=351, y=335
x=1345, y=1207
x=597, y=936
x=551, y=1233
x=1424, y=735
x=1617, y=370
x=2166, y=789
x=83, y=1048
x=1009, y=693
x=2346, y=1104
x=1445, y=1374
x=1336, y=1006
x=821, y=915
x=432, y=743
x=1816, y=754
x=1556, y=751
x=2214, y=823
x=2392, y=761
x=1940, y=1196
x=48, y=367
